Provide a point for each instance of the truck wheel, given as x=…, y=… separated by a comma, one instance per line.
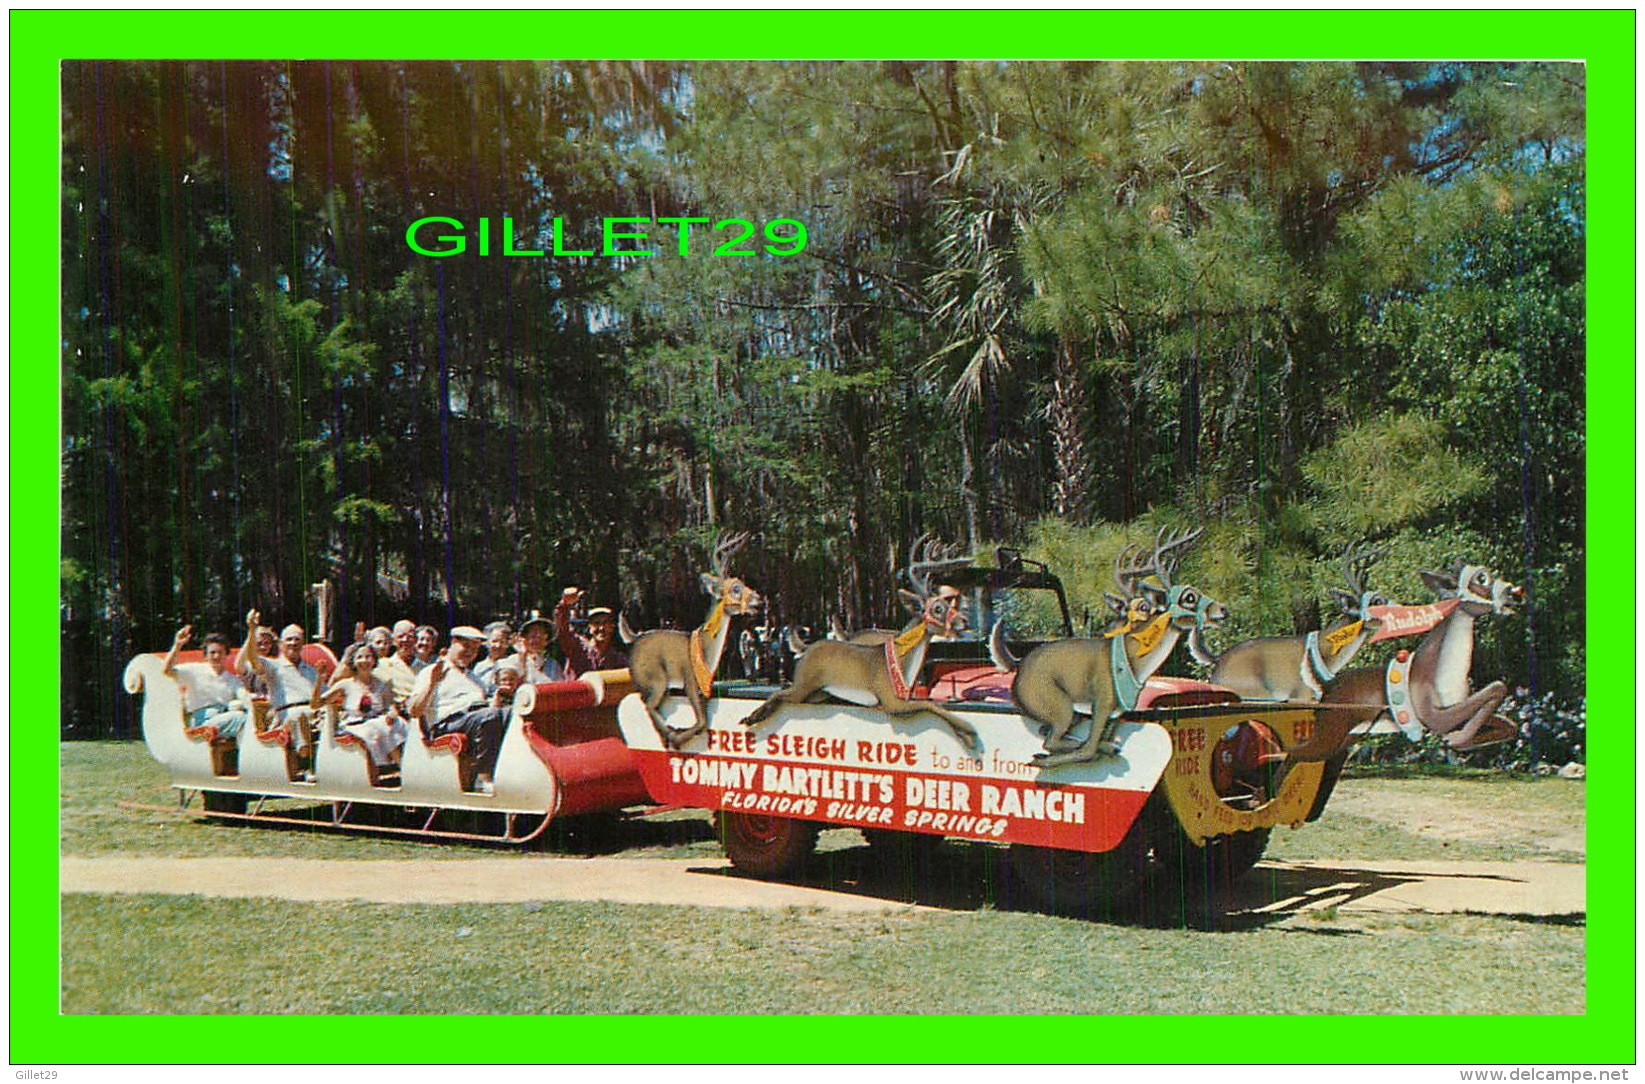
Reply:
x=1230, y=857
x=907, y=858
x=216, y=801
x=764, y=846
x=1083, y=884
x=902, y=848
x=1209, y=873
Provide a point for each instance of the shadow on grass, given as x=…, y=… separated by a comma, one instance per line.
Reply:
x=958, y=876
x=585, y=835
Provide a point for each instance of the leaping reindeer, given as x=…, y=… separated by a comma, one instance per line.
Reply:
x=882, y=674
x=1103, y=677
x=1298, y=667
x=665, y=659
x=1428, y=686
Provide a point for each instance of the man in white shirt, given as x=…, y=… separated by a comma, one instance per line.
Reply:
x=290, y=680
x=395, y=667
x=448, y=699
x=212, y=693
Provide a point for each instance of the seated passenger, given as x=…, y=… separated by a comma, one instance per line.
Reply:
x=290, y=681
x=424, y=647
x=366, y=706
x=381, y=641
x=532, y=658
x=395, y=667
x=448, y=699
x=212, y=693
x=505, y=685
x=596, y=651
x=499, y=634
x=267, y=647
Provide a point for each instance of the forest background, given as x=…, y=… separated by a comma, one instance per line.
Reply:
x=1046, y=304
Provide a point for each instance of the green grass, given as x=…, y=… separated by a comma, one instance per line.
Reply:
x=101, y=781
x=1481, y=816
x=157, y=954
x=160, y=954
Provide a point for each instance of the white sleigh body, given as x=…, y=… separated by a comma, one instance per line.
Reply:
x=428, y=776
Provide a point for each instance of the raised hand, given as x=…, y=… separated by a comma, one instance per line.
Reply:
x=183, y=636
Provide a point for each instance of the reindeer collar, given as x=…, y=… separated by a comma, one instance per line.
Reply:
x=1397, y=688
x=1314, y=669
x=893, y=667
x=1127, y=689
x=699, y=661
x=716, y=617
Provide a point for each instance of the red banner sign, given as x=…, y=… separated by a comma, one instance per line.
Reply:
x=1409, y=620
x=853, y=766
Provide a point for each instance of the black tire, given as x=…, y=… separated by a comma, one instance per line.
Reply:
x=765, y=846
x=1084, y=884
x=890, y=843
x=216, y=801
x=905, y=858
x=1205, y=876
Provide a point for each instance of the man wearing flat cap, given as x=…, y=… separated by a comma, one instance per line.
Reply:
x=448, y=699
x=596, y=651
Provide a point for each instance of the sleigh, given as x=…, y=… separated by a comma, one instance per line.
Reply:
x=560, y=755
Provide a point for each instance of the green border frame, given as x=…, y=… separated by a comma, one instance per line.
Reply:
x=1604, y=39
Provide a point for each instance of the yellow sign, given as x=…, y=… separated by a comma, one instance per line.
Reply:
x=1201, y=811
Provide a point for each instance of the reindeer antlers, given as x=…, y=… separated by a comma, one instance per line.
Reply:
x=726, y=548
x=1357, y=560
x=1166, y=567
x=1128, y=569
x=936, y=557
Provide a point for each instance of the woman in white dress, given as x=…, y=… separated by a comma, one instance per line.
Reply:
x=367, y=706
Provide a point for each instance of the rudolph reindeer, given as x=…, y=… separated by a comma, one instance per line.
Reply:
x=665, y=659
x=881, y=673
x=1103, y=677
x=1298, y=667
x=1428, y=686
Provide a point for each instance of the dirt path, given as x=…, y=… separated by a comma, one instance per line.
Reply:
x=1510, y=888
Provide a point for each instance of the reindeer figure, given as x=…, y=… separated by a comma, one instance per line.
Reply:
x=665, y=659
x=798, y=644
x=1298, y=667
x=1103, y=677
x=882, y=673
x=1428, y=686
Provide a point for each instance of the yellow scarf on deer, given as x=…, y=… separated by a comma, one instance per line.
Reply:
x=905, y=641
x=1148, y=637
x=699, y=661
x=1343, y=636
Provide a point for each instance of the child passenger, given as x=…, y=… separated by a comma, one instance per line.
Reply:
x=367, y=707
